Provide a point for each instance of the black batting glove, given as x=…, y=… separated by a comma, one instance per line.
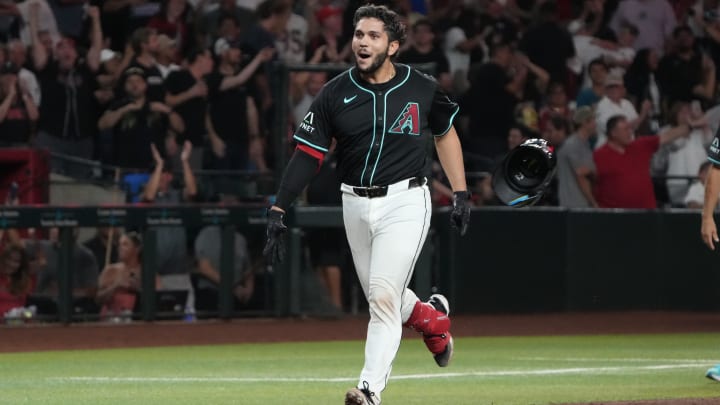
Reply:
x=274, y=250
x=460, y=215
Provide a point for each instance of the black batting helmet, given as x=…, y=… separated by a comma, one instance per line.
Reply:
x=522, y=177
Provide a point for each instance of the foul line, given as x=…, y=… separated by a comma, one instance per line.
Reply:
x=497, y=373
x=617, y=360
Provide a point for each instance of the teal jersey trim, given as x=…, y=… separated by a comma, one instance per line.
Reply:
x=310, y=144
x=367, y=157
x=382, y=141
x=452, y=118
x=713, y=160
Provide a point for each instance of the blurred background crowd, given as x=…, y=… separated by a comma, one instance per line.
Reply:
x=176, y=95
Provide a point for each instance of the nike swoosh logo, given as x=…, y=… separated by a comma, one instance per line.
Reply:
x=349, y=99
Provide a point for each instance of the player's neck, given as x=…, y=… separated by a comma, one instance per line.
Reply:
x=382, y=75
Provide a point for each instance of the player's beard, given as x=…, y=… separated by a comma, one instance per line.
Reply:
x=375, y=65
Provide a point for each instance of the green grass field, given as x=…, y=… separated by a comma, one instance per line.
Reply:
x=507, y=370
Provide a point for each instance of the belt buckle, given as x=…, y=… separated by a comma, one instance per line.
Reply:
x=376, y=191
x=371, y=192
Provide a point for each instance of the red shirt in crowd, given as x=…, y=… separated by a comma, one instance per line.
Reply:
x=623, y=179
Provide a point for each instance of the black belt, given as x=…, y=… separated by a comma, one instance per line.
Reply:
x=381, y=191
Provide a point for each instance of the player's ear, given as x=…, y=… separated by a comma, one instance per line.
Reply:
x=393, y=48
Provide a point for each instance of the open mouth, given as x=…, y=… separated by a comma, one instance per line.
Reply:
x=363, y=55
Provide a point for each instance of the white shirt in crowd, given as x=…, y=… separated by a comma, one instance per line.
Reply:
x=291, y=48
x=606, y=109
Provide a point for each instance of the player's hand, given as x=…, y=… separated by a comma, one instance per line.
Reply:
x=274, y=250
x=460, y=215
x=709, y=232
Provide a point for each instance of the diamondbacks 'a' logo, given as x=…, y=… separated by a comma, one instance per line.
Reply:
x=715, y=143
x=408, y=122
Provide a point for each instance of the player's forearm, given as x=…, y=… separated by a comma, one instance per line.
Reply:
x=451, y=158
x=297, y=176
x=712, y=188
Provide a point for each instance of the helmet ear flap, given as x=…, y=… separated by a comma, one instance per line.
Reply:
x=525, y=173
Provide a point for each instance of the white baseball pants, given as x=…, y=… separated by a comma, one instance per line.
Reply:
x=386, y=235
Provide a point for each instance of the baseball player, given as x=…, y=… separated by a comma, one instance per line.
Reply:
x=708, y=230
x=383, y=116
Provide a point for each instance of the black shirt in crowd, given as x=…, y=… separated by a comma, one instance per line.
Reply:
x=228, y=110
x=68, y=108
x=436, y=56
x=383, y=131
x=192, y=110
x=134, y=133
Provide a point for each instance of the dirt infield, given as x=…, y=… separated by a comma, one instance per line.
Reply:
x=39, y=337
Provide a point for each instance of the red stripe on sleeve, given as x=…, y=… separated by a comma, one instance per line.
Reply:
x=312, y=152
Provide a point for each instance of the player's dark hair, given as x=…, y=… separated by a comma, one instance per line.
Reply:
x=394, y=27
x=612, y=123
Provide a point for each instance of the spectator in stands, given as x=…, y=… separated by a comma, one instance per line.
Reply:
x=292, y=43
x=234, y=139
x=655, y=21
x=207, y=257
x=640, y=81
x=144, y=45
x=67, y=113
x=70, y=16
x=120, y=282
x=589, y=96
x=17, y=54
x=548, y=30
x=121, y=17
x=686, y=73
x=489, y=104
x=17, y=280
x=330, y=20
x=555, y=105
x=686, y=155
x=695, y=197
x=424, y=50
x=45, y=254
x=575, y=165
x=588, y=48
x=187, y=93
x=305, y=86
x=173, y=21
x=623, y=53
x=461, y=43
x=556, y=131
x=615, y=103
x=273, y=16
x=165, y=56
x=623, y=163
x=18, y=112
x=173, y=262
x=47, y=24
x=242, y=17
x=137, y=122
x=105, y=237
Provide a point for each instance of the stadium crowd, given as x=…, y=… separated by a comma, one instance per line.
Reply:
x=625, y=90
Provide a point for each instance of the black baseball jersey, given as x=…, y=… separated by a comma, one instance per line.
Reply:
x=382, y=130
